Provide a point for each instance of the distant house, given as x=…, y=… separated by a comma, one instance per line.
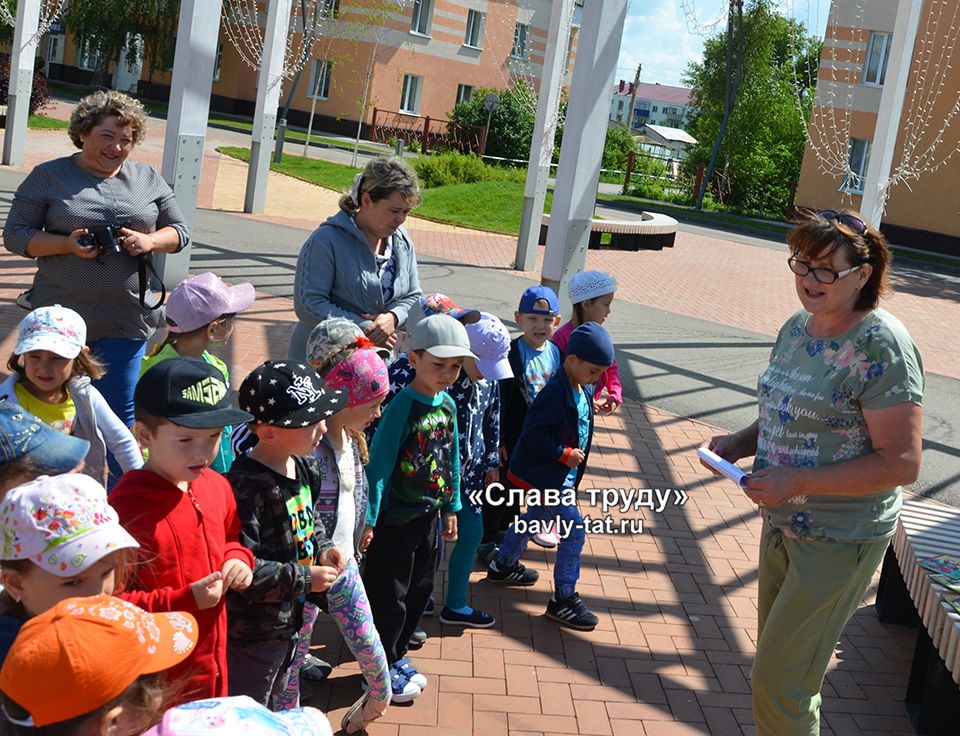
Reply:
x=666, y=141
x=656, y=104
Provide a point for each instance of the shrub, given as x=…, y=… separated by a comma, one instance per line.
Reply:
x=39, y=94
x=511, y=125
x=443, y=169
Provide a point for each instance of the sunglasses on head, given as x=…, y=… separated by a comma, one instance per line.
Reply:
x=849, y=221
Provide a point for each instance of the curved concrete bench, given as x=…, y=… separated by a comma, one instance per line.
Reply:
x=652, y=232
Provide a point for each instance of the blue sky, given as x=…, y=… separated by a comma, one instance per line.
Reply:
x=658, y=35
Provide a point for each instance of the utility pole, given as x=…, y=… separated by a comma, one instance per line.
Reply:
x=633, y=98
x=734, y=77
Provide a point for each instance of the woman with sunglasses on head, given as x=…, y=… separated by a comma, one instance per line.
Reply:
x=838, y=433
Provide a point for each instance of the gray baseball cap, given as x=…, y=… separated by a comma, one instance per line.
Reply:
x=442, y=336
x=331, y=335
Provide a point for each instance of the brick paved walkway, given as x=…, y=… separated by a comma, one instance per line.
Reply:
x=677, y=603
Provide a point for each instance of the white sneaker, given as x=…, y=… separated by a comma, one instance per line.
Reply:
x=548, y=540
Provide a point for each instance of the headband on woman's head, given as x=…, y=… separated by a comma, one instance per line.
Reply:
x=355, y=189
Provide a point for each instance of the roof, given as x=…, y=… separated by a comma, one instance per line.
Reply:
x=658, y=92
x=669, y=135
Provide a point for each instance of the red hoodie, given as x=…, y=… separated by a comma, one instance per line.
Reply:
x=184, y=536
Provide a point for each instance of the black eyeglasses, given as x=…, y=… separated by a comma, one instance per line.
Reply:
x=823, y=275
x=854, y=223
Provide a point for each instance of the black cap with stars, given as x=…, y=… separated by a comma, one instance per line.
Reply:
x=288, y=395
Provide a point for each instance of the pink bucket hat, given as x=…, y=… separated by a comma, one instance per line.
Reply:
x=363, y=376
x=199, y=300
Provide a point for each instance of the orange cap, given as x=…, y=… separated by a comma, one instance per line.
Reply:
x=84, y=652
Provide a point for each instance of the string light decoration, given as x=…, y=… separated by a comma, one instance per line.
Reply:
x=519, y=69
x=927, y=143
x=695, y=27
x=50, y=12
x=923, y=146
x=244, y=30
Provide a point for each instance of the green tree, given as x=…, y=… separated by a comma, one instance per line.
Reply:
x=763, y=146
x=617, y=147
x=153, y=23
x=511, y=125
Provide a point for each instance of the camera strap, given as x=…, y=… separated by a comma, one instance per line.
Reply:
x=144, y=262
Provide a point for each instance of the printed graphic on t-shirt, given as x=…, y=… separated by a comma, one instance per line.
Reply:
x=538, y=368
x=300, y=509
x=426, y=456
x=59, y=416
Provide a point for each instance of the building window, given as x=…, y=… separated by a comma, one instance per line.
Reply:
x=217, y=62
x=474, y=35
x=420, y=21
x=859, y=159
x=88, y=57
x=520, y=35
x=878, y=54
x=464, y=92
x=410, y=96
x=320, y=79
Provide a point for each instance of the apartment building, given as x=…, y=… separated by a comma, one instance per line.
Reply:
x=422, y=57
x=921, y=212
x=655, y=104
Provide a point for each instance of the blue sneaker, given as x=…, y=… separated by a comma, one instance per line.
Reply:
x=476, y=619
x=412, y=673
x=431, y=609
x=402, y=689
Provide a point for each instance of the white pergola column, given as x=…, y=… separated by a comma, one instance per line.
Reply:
x=584, y=132
x=269, y=80
x=875, y=183
x=23, y=52
x=544, y=128
x=193, y=66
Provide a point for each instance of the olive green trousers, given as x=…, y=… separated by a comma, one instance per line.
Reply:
x=808, y=590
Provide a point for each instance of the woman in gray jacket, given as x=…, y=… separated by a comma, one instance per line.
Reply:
x=360, y=263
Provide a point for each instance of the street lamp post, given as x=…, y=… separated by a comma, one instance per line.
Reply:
x=491, y=102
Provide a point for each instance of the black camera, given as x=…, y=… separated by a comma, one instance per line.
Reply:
x=105, y=238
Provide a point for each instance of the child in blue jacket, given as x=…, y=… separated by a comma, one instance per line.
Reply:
x=551, y=454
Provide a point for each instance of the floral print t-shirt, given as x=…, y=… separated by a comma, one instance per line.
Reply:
x=812, y=397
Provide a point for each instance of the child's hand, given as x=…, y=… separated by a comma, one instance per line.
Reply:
x=334, y=557
x=576, y=457
x=491, y=476
x=366, y=536
x=322, y=577
x=450, y=527
x=607, y=407
x=236, y=574
x=208, y=591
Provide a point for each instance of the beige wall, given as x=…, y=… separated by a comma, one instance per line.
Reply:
x=930, y=203
x=442, y=60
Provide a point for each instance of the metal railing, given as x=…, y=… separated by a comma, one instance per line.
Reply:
x=429, y=133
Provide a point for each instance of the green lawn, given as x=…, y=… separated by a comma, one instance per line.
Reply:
x=486, y=205
x=295, y=135
x=313, y=170
x=42, y=121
